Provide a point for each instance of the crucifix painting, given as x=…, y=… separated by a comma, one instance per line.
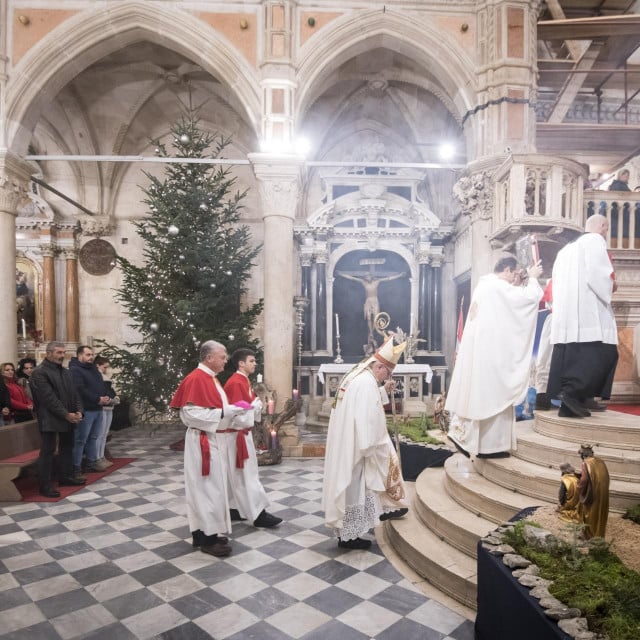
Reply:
x=376, y=292
x=371, y=303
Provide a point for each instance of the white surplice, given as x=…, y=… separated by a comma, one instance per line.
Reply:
x=491, y=372
x=362, y=478
x=207, y=501
x=207, y=504
x=582, y=291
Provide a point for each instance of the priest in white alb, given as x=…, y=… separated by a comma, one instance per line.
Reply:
x=491, y=372
x=583, y=332
x=362, y=478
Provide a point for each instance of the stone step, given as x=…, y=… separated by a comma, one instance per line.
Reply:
x=482, y=497
x=542, y=483
x=623, y=464
x=448, y=569
x=605, y=428
x=444, y=516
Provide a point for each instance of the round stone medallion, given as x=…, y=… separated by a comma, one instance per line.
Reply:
x=97, y=257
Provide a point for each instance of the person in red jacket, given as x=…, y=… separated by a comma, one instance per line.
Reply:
x=21, y=406
x=246, y=493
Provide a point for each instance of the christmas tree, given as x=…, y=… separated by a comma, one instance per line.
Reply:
x=196, y=260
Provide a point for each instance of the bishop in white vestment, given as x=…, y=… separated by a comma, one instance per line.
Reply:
x=491, y=372
x=362, y=478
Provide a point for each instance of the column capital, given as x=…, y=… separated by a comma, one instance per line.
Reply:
x=69, y=253
x=48, y=251
x=278, y=181
x=15, y=175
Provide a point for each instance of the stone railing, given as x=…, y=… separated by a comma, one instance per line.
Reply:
x=623, y=210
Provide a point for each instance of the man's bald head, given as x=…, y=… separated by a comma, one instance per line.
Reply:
x=597, y=224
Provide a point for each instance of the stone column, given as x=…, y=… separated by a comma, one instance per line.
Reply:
x=321, y=303
x=279, y=184
x=305, y=291
x=49, y=330
x=72, y=300
x=436, y=304
x=14, y=183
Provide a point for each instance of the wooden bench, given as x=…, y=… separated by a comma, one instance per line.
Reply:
x=19, y=447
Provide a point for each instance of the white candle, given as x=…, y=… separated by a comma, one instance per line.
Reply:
x=337, y=326
x=295, y=394
x=411, y=325
x=24, y=329
x=270, y=407
x=259, y=378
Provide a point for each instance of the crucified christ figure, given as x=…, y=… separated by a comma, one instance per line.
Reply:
x=371, y=304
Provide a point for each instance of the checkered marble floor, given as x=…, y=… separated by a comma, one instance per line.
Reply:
x=115, y=561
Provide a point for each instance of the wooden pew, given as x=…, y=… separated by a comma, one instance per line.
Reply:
x=19, y=447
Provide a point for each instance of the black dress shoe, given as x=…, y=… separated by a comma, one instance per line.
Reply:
x=575, y=406
x=266, y=520
x=71, y=482
x=235, y=516
x=202, y=540
x=48, y=492
x=394, y=515
x=543, y=402
x=218, y=550
x=358, y=543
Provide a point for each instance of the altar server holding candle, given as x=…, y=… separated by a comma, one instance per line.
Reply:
x=247, y=497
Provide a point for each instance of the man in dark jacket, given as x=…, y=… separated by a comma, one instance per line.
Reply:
x=58, y=410
x=89, y=384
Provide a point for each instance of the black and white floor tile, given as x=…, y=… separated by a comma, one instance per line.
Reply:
x=115, y=561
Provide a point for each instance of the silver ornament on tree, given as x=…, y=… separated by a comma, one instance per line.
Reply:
x=184, y=138
x=154, y=326
x=173, y=230
x=231, y=337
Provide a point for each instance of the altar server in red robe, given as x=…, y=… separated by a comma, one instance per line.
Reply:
x=247, y=496
x=203, y=410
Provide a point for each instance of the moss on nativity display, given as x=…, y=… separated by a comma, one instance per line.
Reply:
x=414, y=429
x=589, y=577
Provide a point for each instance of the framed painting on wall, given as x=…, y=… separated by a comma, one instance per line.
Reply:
x=27, y=298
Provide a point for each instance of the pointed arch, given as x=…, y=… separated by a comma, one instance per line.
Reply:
x=422, y=42
x=92, y=34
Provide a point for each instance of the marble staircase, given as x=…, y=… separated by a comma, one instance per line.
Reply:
x=456, y=505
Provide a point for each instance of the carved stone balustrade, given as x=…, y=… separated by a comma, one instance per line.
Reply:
x=623, y=210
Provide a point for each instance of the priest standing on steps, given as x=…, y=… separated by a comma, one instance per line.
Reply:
x=491, y=372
